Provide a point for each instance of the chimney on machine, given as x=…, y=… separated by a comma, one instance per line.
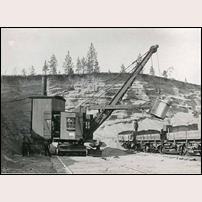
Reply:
x=44, y=85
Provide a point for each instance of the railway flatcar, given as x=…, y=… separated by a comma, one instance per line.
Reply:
x=145, y=140
x=148, y=140
x=180, y=139
x=126, y=139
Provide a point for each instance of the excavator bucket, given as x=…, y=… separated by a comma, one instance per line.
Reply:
x=160, y=108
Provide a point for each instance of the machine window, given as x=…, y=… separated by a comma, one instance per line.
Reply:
x=88, y=124
x=70, y=123
x=47, y=125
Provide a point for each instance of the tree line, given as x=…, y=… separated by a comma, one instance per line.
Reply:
x=88, y=64
x=84, y=65
x=165, y=73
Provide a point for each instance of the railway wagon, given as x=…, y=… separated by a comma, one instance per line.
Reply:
x=126, y=138
x=182, y=139
x=179, y=139
x=144, y=140
x=183, y=132
x=148, y=135
x=148, y=140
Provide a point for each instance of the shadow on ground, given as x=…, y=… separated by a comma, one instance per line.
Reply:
x=110, y=152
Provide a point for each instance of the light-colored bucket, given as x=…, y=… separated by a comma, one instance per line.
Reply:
x=160, y=108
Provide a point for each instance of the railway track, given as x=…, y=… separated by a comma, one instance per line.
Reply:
x=67, y=170
x=119, y=167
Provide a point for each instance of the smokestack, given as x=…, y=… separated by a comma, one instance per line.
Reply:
x=44, y=85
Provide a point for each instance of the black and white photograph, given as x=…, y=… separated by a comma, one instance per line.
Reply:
x=104, y=101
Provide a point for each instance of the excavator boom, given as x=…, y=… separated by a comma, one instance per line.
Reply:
x=104, y=114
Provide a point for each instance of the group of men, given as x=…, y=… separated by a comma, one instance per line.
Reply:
x=26, y=147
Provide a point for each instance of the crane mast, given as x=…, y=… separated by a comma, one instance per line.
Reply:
x=103, y=115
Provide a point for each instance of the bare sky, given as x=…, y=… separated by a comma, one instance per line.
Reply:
x=179, y=48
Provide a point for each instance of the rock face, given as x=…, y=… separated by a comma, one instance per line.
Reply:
x=77, y=89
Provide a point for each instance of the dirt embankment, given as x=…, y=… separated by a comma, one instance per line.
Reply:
x=28, y=165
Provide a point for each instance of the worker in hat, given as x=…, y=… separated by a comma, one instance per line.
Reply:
x=25, y=147
x=46, y=145
x=136, y=125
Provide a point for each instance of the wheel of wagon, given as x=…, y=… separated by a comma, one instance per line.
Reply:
x=81, y=142
x=143, y=148
x=160, y=149
x=183, y=150
x=146, y=148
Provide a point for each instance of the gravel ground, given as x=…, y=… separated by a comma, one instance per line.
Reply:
x=28, y=165
x=113, y=161
x=125, y=163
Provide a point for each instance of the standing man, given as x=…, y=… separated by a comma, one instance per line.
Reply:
x=135, y=133
x=136, y=125
x=46, y=146
x=28, y=147
x=24, y=146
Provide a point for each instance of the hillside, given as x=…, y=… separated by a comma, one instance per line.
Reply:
x=16, y=106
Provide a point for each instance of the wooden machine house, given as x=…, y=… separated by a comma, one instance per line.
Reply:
x=50, y=121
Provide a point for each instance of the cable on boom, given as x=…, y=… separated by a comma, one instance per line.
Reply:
x=158, y=63
x=113, y=80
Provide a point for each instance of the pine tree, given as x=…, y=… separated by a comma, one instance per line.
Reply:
x=165, y=74
x=152, y=72
x=78, y=66
x=68, y=65
x=53, y=65
x=15, y=71
x=32, y=71
x=139, y=59
x=83, y=65
x=91, y=61
x=71, y=71
x=45, y=68
x=96, y=67
x=24, y=72
x=185, y=80
x=123, y=69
